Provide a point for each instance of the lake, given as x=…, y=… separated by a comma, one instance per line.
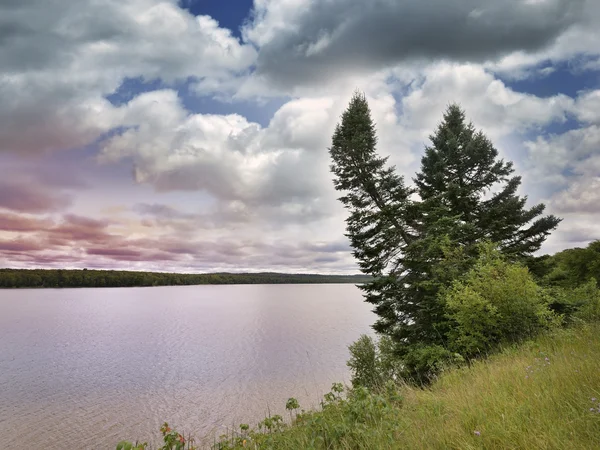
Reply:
x=90, y=367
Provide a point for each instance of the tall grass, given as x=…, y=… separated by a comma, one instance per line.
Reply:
x=544, y=394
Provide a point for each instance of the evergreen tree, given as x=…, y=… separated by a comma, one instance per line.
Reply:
x=378, y=200
x=414, y=249
x=460, y=169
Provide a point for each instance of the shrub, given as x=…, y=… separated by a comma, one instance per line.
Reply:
x=497, y=302
x=424, y=362
x=373, y=362
x=587, y=301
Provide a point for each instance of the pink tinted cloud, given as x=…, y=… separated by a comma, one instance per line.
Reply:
x=20, y=223
x=28, y=197
x=78, y=241
x=80, y=229
x=20, y=246
x=116, y=253
x=132, y=254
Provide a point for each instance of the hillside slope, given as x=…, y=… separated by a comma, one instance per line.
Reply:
x=544, y=394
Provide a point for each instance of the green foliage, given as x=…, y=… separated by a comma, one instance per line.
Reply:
x=363, y=362
x=292, y=404
x=423, y=363
x=172, y=440
x=38, y=278
x=572, y=267
x=415, y=247
x=125, y=445
x=378, y=225
x=497, y=302
x=373, y=363
x=587, y=301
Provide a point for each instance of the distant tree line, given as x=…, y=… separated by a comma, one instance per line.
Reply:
x=59, y=278
x=569, y=268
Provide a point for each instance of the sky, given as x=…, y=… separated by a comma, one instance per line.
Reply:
x=193, y=135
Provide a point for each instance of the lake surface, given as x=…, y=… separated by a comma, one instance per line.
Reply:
x=89, y=367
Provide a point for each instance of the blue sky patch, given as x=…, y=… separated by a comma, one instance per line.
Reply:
x=132, y=87
x=565, y=78
x=229, y=13
x=259, y=112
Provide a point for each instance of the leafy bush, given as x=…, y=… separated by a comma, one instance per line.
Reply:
x=497, y=302
x=423, y=363
x=570, y=268
x=363, y=362
x=373, y=362
x=587, y=300
x=171, y=438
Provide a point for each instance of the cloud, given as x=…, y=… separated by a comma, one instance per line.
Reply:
x=276, y=178
x=492, y=105
x=581, y=196
x=241, y=164
x=308, y=41
x=566, y=167
x=60, y=59
x=21, y=223
x=556, y=159
x=78, y=241
x=587, y=107
x=19, y=246
x=577, y=45
x=27, y=197
x=220, y=191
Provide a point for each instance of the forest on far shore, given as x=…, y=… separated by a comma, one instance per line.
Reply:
x=61, y=278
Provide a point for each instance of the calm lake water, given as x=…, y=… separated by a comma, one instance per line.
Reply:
x=92, y=366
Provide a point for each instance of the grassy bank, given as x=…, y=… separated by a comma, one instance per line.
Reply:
x=544, y=394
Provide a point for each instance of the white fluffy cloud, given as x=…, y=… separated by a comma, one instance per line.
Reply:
x=283, y=167
x=59, y=60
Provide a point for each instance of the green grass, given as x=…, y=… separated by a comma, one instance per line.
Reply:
x=514, y=400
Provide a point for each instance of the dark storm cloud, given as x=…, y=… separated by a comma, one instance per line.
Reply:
x=337, y=36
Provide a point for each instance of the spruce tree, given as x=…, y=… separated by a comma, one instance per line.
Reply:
x=414, y=249
x=379, y=205
x=460, y=169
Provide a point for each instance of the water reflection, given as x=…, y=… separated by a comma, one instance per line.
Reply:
x=97, y=365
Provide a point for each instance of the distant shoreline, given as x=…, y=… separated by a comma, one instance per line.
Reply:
x=84, y=278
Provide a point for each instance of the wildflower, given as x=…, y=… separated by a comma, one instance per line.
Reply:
x=594, y=399
x=592, y=410
x=244, y=442
x=477, y=433
x=181, y=439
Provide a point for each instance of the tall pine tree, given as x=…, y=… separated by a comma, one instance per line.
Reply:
x=460, y=170
x=378, y=200
x=415, y=248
